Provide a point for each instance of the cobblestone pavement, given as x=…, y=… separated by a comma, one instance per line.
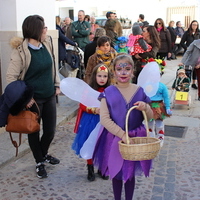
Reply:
x=175, y=174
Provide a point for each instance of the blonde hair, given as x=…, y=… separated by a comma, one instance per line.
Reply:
x=58, y=20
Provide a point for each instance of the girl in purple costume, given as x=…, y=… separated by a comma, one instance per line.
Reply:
x=115, y=102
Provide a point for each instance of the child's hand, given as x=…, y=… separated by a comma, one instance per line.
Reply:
x=97, y=111
x=141, y=105
x=169, y=112
x=124, y=139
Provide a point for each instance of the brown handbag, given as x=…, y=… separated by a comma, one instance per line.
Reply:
x=25, y=122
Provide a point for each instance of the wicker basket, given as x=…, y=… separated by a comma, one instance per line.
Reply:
x=144, y=148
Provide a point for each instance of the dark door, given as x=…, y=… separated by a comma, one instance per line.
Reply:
x=71, y=14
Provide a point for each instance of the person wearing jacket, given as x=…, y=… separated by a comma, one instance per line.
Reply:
x=32, y=60
x=81, y=30
x=192, y=57
x=165, y=39
x=173, y=39
x=104, y=54
x=91, y=47
x=179, y=33
x=193, y=33
x=62, y=41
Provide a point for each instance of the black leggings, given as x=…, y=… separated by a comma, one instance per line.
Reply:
x=40, y=145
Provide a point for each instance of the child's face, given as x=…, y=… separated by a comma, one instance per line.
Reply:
x=102, y=78
x=181, y=75
x=105, y=47
x=122, y=45
x=123, y=71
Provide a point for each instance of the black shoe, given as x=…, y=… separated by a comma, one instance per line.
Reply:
x=194, y=86
x=102, y=176
x=52, y=160
x=40, y=170
x=91, y=175
x=199, y=98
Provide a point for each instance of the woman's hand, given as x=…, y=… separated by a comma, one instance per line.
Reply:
x=137, y=56
x=141, y=105
x=31, y=102
x=57, y=91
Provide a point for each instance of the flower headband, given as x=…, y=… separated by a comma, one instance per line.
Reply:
x=102, y=68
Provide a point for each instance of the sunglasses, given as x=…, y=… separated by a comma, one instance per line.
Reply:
x=158, y=23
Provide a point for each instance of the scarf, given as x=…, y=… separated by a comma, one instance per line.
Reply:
x=106, y=58
x=159, y=29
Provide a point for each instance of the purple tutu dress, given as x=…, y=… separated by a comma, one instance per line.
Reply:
x=106, y=154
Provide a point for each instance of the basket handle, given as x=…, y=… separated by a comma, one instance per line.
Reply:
x=126, y=127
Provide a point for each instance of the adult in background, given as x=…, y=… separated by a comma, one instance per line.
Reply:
x=104, y=54
x=151, y=36
x=173, y=39
x=93, y=28
x=91, y=47
x=67, y=28
x=81, y=30
x=165, y=39
x=109, y=15
x=141, y=20
x=110, y=28
x=188, y=37
x=192, y=58
x=179, y=32
x=117, y=25
x=62, y=41
x=32, y=60
x=87, y=18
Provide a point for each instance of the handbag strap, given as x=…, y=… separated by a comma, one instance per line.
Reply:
x=37, y=107
x=14, y=142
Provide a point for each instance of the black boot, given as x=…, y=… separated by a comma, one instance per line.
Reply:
x=102, y=176
x=91, y=176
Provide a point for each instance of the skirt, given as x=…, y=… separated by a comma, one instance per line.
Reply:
x=87, y=123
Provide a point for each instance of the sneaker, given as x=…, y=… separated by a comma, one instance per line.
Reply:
x=194, y=86
x=161, y=138
x=52, y=160
x=40, y=170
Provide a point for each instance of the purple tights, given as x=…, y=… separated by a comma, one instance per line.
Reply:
x=129, y=188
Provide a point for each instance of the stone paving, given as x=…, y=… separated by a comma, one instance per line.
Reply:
x=175, y=174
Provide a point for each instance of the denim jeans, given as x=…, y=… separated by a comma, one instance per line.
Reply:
x=40, y=144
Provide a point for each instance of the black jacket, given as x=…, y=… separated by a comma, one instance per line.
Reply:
x=172, y=33
x=187, y=39
x=62, y=40
x=14, y=99
x=90, y=49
